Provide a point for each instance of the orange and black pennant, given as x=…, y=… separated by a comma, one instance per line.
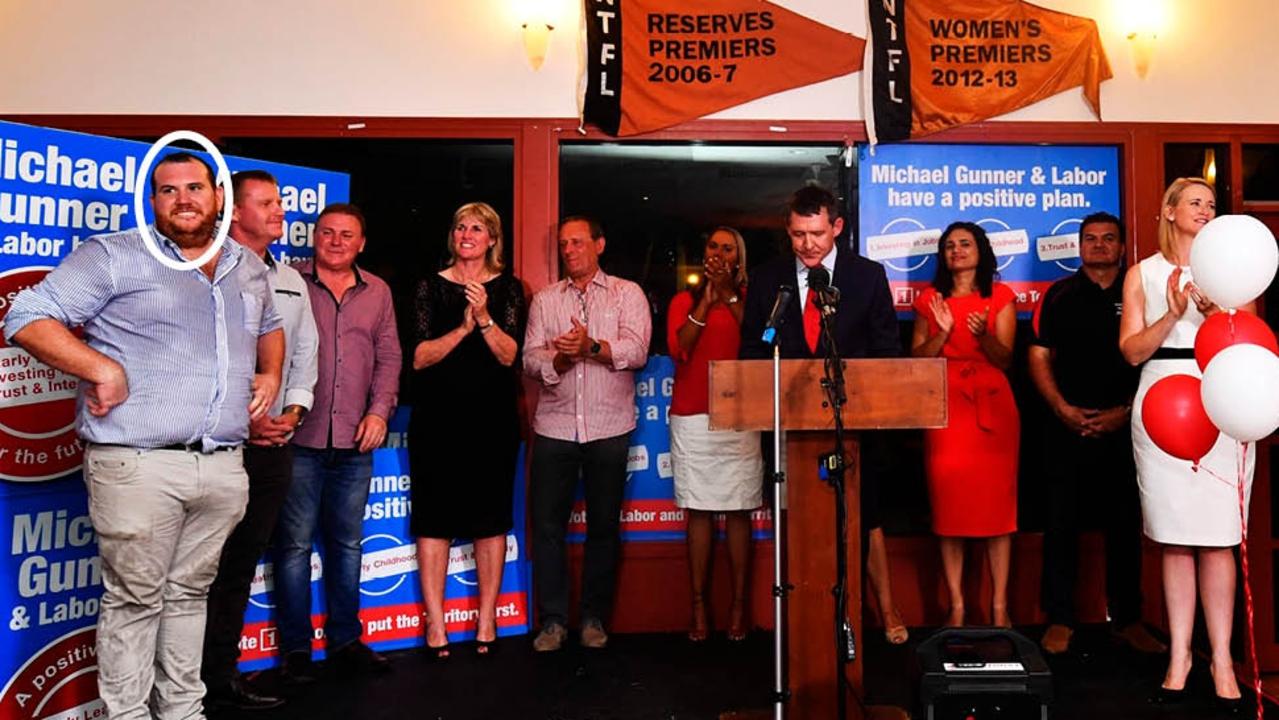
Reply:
x=651, y=64
x=935, y=64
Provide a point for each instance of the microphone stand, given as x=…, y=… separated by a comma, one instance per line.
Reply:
x=780, y=587
x=833, y=470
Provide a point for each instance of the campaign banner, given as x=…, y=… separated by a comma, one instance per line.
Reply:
x=649, y=513
x=1030, y=199
x=651, y=64
x=49, y=599
x=58, y=188
x=391, y=609
x=935, y=64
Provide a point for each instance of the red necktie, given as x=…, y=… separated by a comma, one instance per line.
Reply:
x=812, y=321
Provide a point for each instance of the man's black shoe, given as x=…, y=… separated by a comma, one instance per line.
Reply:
x=360, y=658
x=237, y=695
x=297, y=669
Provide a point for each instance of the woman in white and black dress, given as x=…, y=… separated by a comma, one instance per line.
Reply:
x=1193, y=515
x=715, y=471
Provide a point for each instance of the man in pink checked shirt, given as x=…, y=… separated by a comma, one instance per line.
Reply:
x=586, y=336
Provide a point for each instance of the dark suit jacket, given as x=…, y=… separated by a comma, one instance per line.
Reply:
x=865, y=322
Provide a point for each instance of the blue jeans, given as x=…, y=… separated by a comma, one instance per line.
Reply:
x=329, y=491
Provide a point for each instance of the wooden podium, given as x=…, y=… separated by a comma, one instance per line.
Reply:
x=882, y=394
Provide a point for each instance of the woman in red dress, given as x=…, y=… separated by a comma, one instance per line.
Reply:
x=971, y=464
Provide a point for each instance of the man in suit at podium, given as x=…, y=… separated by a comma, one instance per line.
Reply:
x=865, y=323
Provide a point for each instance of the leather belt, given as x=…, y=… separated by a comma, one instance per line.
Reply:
x=179, y=447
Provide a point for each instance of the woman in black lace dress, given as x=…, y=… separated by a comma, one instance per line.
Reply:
x=464, y=430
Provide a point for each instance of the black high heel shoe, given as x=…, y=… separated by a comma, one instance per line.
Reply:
x=1168, y=696
x=436, y=654
x=1225, y=705
x=1229, y=706
x=486, y=648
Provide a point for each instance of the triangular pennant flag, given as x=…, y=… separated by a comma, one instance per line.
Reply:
x=651, y=64
x=934, y=64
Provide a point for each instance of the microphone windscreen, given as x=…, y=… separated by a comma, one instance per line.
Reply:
x=818, y=278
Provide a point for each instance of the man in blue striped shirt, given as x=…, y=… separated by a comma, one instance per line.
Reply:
x=173, y=366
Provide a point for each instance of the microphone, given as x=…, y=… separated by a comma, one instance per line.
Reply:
x=778, y=314
x=827, y=295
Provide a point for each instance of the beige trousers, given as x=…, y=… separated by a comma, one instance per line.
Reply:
x=162, y=517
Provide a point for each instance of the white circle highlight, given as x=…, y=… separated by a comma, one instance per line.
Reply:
x=910, y=268
x=223, y=178
x=1057, y=228
x=1009, y=261
x=398, y=581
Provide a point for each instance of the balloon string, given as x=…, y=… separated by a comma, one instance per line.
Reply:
x=1209, y=470
x=1247, y=584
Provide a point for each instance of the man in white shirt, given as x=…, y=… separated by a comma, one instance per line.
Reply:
x=257, y=220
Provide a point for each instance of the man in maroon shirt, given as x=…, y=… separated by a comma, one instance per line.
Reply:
x=359, y=367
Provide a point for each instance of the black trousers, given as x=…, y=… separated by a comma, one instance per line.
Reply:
x=555, y=469
x=1092, y=485
x=270, y=471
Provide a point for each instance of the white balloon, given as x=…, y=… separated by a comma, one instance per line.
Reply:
x=1233, y=259
x=1240, y=391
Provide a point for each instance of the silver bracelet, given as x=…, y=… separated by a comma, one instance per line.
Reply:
x=695, y=321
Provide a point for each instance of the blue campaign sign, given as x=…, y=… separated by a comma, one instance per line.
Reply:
x=58, y=188
x=391, y=609
x=648, y=506
x=1030, y=200
x=649, y=513
x=50, y=600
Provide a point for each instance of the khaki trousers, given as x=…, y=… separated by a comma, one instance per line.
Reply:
x=162, y=517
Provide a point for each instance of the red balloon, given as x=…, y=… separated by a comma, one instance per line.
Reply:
x=1174, y=416
x=1222, y=330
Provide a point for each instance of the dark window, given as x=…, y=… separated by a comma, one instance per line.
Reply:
x=657, y=202
x=1261, y=172
x=407, y=189
x=1206, y=160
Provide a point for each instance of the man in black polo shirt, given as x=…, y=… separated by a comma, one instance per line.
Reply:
x=1076, y=366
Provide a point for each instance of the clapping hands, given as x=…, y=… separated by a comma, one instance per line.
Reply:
x=575, y=343
x=941, y=314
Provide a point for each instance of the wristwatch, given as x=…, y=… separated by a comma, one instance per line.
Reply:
x=595, y=347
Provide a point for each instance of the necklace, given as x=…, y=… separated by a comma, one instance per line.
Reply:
x=456, y=276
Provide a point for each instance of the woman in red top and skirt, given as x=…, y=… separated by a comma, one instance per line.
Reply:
x=717, y=471
x=971, y=464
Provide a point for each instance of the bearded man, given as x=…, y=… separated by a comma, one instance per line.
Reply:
x=173, y=366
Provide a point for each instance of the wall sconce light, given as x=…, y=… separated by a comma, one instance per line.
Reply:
x=1143, y=47
x=1210, y=167
x=537, y=18
x=1143, y=21
x=537, y=35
